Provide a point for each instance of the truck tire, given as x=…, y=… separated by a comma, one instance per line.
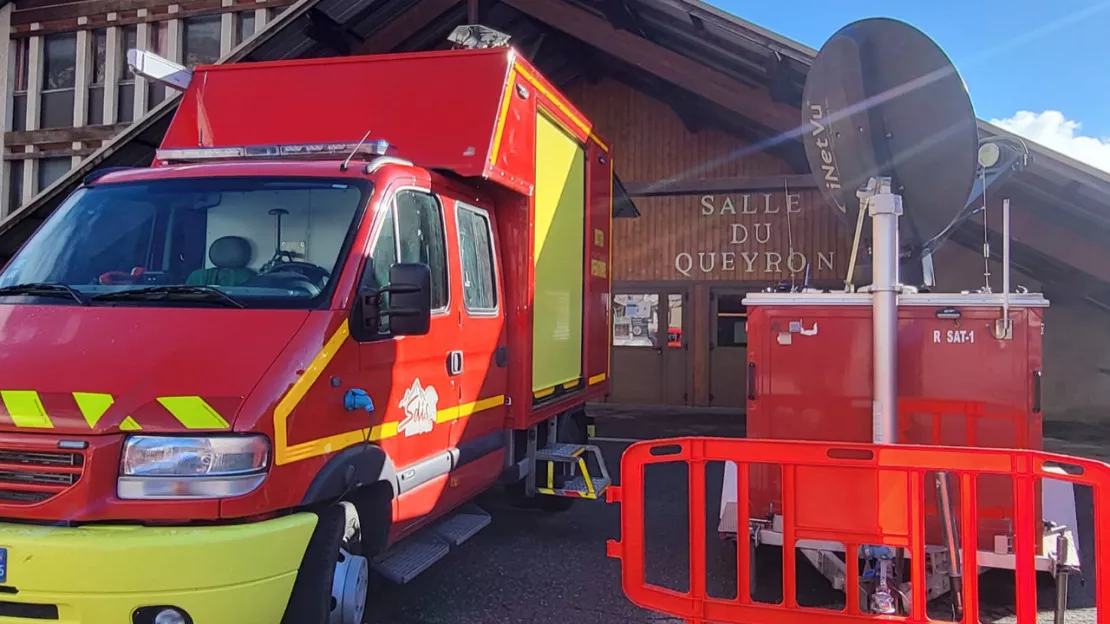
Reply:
x=313, y=598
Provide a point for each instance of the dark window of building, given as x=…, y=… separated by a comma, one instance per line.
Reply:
x=97, y=77
x=99, y=56
x=50, y=169
x=159, y=44
x=59, y=75
x=59, y=61
x=201, y=40
x=125, y=98
x=422, y=239
x=476, y=252
x=244, y=26
x=15, y=184
x=22, y=77
x=732, y=322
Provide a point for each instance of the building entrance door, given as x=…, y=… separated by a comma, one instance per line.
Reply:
x=728, y=350
x=650, y=347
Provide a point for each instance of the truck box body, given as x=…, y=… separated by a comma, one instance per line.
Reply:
x=478, y=114
x=810, y=360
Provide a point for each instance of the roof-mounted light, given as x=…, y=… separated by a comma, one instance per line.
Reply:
x=159, y=69
x=366, y=150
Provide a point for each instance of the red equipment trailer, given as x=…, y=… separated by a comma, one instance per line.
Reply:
x=872, y=412
x=349, y=296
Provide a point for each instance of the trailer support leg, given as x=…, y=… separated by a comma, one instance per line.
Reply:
x=1061, y=579
x=952, y=542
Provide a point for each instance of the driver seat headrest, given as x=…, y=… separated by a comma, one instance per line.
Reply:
x=230, y=252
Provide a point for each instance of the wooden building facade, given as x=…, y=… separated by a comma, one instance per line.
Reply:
x=681, y=268
x=67, y=86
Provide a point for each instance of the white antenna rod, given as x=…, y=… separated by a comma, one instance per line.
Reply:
x=1004, y=327
x=1006, y=258
x=343, y=167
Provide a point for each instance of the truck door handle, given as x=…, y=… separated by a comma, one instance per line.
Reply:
x=751, y=381
x=1036, y=392
x=454, y=363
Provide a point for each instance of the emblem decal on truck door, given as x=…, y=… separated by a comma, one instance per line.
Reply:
x=420, y=409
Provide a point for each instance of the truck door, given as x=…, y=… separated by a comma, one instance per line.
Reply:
x=407, y=376
x=478, y=432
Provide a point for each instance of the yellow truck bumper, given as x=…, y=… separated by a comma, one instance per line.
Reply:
x=238, y=574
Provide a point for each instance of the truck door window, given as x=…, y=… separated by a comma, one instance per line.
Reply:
x=421, y=238
x=384, y=257
x=476, y=253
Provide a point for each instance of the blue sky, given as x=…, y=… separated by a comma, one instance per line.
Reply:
x=1037, y=67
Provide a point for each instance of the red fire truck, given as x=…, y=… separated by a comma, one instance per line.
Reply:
x=348, y=296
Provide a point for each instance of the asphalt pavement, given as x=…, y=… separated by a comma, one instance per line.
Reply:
x=537, y=567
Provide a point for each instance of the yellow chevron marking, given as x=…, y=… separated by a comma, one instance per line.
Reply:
x=93, y=405
x=193, y=412
x=25, y=408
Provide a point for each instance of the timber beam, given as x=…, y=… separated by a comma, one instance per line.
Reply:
x=623, y=17
x=395, y=32
x=328, y=33
x=1054, y=241
x=715, y=186
x=715, y=86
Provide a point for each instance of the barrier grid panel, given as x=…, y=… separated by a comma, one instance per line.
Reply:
x=888, y=508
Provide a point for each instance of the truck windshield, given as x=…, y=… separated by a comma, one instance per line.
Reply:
x=258, y=242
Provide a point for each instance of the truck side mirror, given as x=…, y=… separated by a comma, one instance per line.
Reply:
x=410, y=299
x=407, y=301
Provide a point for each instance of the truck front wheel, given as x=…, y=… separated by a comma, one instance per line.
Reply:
x=331, y=583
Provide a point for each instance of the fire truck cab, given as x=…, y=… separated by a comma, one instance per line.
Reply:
x=348, y=296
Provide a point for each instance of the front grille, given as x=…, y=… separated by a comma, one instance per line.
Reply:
x=41, y=459
x=16, y=496
x=29, y=477
x=28, y=611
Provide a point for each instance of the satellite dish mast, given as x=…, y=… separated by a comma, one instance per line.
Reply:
x=883, y=100
x=891, y=130
x=890, y=133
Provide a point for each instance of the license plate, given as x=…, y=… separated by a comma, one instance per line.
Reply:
x=3, y=565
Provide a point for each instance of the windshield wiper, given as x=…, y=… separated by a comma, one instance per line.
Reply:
x=45, y=289
x=180, y=293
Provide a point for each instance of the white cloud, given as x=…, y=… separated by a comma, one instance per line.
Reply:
x=1054, y=131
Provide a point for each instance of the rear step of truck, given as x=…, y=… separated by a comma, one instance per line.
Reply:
x=578, y=481
x=417, y=553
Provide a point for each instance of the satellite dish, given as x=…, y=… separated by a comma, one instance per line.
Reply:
x=882, y=99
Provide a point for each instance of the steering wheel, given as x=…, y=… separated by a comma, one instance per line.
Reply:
x=121, y=277
x=316, y=274
x=285, y=280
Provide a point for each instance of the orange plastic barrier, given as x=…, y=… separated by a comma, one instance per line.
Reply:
x=855, y=494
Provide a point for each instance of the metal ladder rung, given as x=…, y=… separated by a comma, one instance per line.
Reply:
x=562, y=452
x=581, y=484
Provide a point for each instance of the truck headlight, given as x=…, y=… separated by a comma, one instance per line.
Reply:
x=193, y=467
